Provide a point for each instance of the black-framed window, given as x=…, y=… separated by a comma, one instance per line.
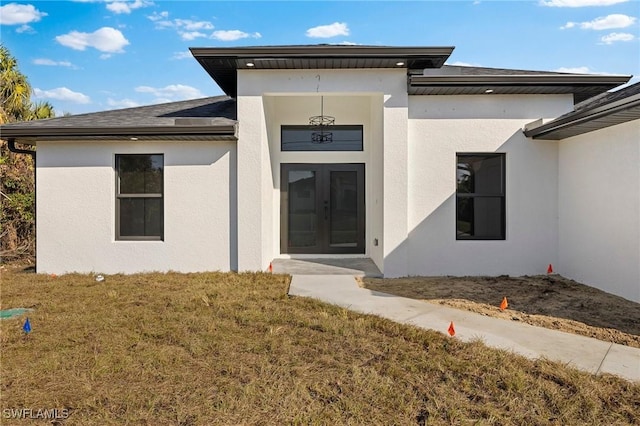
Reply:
x=305, y=138
x=480, y=197
x=139, y=196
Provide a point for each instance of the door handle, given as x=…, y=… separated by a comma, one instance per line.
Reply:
x=326, y=210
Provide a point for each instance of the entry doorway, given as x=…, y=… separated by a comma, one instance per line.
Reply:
x=322, y=209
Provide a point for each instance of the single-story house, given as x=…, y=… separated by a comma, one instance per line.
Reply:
x=350, y=151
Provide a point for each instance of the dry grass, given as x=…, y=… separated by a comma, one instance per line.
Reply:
x=545, y=301
x=191, y=349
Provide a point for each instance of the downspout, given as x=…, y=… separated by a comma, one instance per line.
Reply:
x=11, y=143
x=12, y=148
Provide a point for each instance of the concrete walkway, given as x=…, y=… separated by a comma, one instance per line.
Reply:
x=584, y=353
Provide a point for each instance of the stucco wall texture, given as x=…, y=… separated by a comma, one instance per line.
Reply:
x=599, y=209
x=76, y=208
x=573, y=203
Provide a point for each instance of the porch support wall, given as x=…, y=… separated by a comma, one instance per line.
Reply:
x=395, y=170
x=254, y=187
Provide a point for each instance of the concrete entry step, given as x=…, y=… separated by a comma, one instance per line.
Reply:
x=359, y=267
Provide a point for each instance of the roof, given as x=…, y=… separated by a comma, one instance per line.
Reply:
x=213, y=117
x=596, y=113
x=222, y=63
x=462, y=80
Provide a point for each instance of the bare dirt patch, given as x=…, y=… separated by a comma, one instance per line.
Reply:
x=546, y=301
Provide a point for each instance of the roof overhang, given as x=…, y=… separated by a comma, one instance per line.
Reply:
x=30, y=134
x=581, y=86
x=610, y=114
x=222, y=63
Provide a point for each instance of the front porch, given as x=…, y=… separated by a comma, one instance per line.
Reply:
x=360, y=266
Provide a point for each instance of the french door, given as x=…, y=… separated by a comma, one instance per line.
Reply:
x=322, y=208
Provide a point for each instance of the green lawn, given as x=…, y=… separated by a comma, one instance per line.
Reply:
x=215, y=348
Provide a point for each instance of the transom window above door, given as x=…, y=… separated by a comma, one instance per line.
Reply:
x=315, y=138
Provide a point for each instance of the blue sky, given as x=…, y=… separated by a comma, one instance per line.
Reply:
x=93, y=55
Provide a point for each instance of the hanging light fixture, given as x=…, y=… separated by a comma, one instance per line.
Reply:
x=320, y=123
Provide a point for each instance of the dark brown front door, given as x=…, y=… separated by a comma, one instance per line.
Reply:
x=322, y=208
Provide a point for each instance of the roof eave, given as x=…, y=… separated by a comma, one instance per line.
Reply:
x=546, y=129
x=223, y=63
x=337, y=51
x=511, y=80
x=74, y=132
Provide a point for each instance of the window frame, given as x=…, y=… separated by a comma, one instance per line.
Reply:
x=502, y=195
x=359, y=127
x=119, y=196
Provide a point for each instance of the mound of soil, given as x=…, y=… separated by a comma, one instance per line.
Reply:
x=549, y=301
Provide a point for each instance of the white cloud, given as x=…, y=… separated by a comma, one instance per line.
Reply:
x=161, y=20
x=579, y=3
x=185, y=54
x=62, y=94
x=604, y=22
x=347, y=43
x=52, y=63
x=191, y=35
x=16, y=14
x=232, y=35
x=189, y=25
x=574, y=70
x=106, y=39
x=127, y=6
x=122, y=103
x=171, y=92
x=155, y=16
x=25, y=29
x=187, y=29
x=613, y=37
x=462, y=64
x=327, y=31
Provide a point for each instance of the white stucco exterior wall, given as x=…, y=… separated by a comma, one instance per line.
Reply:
x=599, y=209
x=440, y=127
x=254, y=186
x=258, y=93
x=76, y=208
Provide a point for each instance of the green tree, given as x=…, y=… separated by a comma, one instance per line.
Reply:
x=15, y=92
x=41, y=110
x=17, y=233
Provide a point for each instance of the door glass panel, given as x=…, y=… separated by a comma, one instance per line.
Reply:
x=303, y=219
x=344, y=209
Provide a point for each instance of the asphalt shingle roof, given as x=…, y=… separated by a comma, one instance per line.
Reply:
x=605, y=110
x=220, y=110
x=471, y=70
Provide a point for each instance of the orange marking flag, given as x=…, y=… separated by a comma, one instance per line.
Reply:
x=550, y=269
x=451, y=330
x=504, y=304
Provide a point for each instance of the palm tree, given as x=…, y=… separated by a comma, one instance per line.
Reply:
x=40, y=110
x=15, y=91
x=17, y=233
